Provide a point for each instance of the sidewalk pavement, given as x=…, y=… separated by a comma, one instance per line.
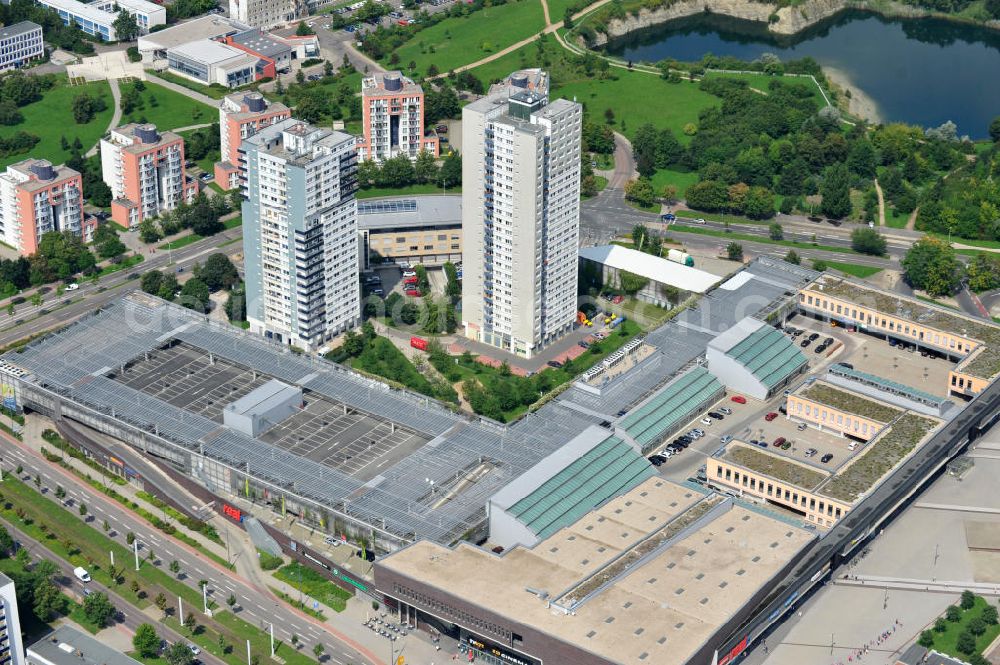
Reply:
x=416, y=647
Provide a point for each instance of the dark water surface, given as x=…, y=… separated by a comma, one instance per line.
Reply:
x=920, y=71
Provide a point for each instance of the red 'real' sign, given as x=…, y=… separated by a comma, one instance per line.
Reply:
x=735, y=651
x=229, y=511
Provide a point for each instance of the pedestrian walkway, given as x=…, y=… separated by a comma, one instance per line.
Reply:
x=187, y=92
x=911, y=584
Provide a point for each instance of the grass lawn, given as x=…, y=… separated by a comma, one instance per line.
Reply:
x=168, y=109
x=315, y=585
x=752, y=238
x=184, y=241
x=409, y=190
x=557, y=8
x=655, y=207
x=125, y=264
x=853, y=269
x=601, y=182
x=678, y=179
x=458, y=41
x=51, y=118
x=761, y=82
x=945, y=642
x=895, y=220
x=215, y=91
x=664, y=104
x=206, y=163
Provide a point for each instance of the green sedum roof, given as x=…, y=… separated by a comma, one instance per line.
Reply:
x=769, y=355
x=672, y=405
x=609, y=469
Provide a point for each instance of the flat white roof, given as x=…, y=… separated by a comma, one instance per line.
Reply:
x=79, y=9
x=140, y=6
x=206, y=27
x=208, y=52
x=654, y=268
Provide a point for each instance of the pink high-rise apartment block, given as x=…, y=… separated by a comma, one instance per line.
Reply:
x=241, y=116
x=37, y=197
x=392, y=109
x=145, y=171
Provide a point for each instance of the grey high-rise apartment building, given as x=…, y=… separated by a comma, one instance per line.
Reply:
x=520, y=215
x=11, y=647
x=300, y=233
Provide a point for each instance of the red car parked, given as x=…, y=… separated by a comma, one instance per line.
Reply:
x=777, y=442
x=413, y=293
x=739, y=399
x=771, y=416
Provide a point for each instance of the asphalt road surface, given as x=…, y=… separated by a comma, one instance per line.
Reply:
x=257, y=606
x=71, y=305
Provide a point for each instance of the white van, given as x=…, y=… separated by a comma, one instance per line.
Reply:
x=81, y=574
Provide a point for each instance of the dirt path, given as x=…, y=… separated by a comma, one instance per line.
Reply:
x=912, y=221
x=549, y=28
x=116, y=99
x=881, y=204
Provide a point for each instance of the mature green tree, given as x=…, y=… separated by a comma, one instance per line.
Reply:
x=758, y=203
x=989, y=615
x=793, y=257
x=98, y=609
x=168, y=286
x=195, y=295
x=303, y=29
x=867, y=240
x=953, y=614
x=775, y=231
x=425, y=169
x=931, y=265
x=126, y=26
x=146, y=641
x=48, y=601
x=236, y=304
x=926, y=639
x=967, y=600
x=450, y=174
x=966, y=642
x=218, y=272
x=984, y=272
x=708, y=195
x=734, y=251
x=836, y=191
x=149, y=232
x=6, y=543
x=640, y=191
x=862, y=159
x=178, y=654
x=995, y=123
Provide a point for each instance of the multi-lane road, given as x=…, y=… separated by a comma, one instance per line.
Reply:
x=258, y=606
x=57, y=310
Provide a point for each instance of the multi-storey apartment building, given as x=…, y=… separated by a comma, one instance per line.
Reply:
x=11, y=647
x=35, y=198
x=392, y=112
x=520, y=217
x=20, y=44
x=267, y=13
x=145, y=171
x=240, y=117
x=300, y=226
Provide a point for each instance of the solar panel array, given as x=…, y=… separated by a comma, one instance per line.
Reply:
x=387, y=206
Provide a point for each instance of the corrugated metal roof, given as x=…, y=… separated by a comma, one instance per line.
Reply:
x=768, y=354
x=607, y=470
x=648, y=422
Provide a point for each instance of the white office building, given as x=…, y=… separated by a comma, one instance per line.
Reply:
x=300, y=226
x=267, y=14
x=20, y=44
x=11, y=647
x=98, y=18
x=520, y=218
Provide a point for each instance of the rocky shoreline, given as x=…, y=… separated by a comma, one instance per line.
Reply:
x=783, y=21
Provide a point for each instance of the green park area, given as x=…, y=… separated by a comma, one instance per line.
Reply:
x=215, y=90
x=462, y=40
x=314, y=585
x=168, y=110
x=965, y=630
x=51, y=119
x=408, y=190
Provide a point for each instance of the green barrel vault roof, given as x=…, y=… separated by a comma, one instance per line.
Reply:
x=611, y=468
x=674, y=403
x=769, y=355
